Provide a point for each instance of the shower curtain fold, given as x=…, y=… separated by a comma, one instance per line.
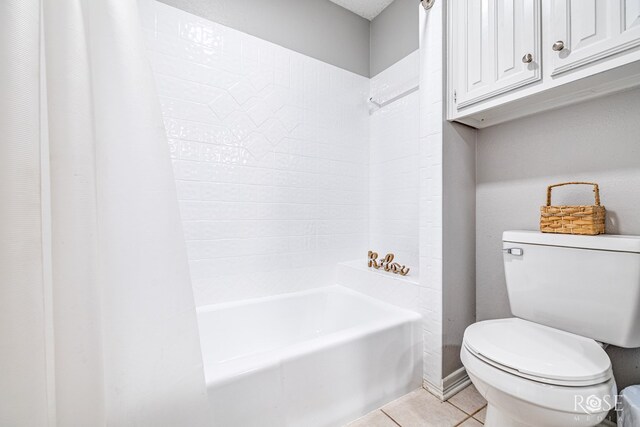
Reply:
x=97, y=319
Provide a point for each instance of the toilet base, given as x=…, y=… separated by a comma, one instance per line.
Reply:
x=498, y=418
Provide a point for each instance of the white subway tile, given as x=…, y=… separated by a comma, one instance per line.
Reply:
x=265, y=210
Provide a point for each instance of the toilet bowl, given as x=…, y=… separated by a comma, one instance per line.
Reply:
x=544, y=368
x=533, y=375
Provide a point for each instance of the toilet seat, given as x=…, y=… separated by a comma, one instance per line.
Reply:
x=533, y=403
x=538, y=352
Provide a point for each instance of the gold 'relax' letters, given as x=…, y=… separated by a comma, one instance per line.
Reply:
x=387, y=264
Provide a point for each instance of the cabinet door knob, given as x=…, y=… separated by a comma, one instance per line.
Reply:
x=527, y=59
x=558, y=46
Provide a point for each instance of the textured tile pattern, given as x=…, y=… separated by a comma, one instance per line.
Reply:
x=430, y=159
x=270, y=154
x=400, y=291
x=393, y=164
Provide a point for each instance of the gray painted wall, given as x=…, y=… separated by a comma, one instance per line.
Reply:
x=320, y=29
x=317, y=28
x=458, y=240
x=394, y=34
x=595, y=141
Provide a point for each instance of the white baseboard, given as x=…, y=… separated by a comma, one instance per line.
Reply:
x=449, y=386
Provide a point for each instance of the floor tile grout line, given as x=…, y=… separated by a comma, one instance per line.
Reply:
x=463, y=421
x=468, y=414
x=469, y=417
x=390, y=417
x=478, y=411
x=460, y=409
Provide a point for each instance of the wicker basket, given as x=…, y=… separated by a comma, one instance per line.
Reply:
x=587, y=220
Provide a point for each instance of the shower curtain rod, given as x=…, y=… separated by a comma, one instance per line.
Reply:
x=395, y=98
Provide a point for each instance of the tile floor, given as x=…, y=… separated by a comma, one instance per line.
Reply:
x=421, y=409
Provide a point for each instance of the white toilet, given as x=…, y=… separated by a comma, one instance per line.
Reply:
x=547, y=367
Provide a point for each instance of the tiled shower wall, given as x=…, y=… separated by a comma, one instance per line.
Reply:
x=270, y=154
x=280, y=167
x=394, y=165
x=406, y=156
x=431, y=190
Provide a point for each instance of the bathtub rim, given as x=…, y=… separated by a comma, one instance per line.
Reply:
x=272, y=358
x=330, y=288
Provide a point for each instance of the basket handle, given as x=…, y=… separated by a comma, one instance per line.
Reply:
x=595, y=190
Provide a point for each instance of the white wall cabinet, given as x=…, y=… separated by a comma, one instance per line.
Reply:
x=497, y=45
x=590, y=30
x=511, y=58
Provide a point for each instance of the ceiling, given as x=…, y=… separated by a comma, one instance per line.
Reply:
x=368, y=9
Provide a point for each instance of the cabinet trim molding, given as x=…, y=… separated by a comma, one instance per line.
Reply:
x=533, y=78
x=593, y=58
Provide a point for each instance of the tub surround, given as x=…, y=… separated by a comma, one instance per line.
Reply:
x=393, y=163
x=273, y=153
x=430, y=164
x=270, y=154
x=401, y=291
x=447, y=217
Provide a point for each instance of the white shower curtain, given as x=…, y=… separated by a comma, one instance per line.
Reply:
x=97, y=320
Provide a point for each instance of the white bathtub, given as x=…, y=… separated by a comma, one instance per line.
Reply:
x=315, y=358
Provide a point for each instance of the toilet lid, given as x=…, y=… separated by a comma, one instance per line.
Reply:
x=538, y=352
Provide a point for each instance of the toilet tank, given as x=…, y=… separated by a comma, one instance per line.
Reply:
x=588, y=285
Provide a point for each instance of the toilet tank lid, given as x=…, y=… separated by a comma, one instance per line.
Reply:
x=604, y=242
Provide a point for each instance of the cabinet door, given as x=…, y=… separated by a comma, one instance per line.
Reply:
x=585, y=31
x=497, y=47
